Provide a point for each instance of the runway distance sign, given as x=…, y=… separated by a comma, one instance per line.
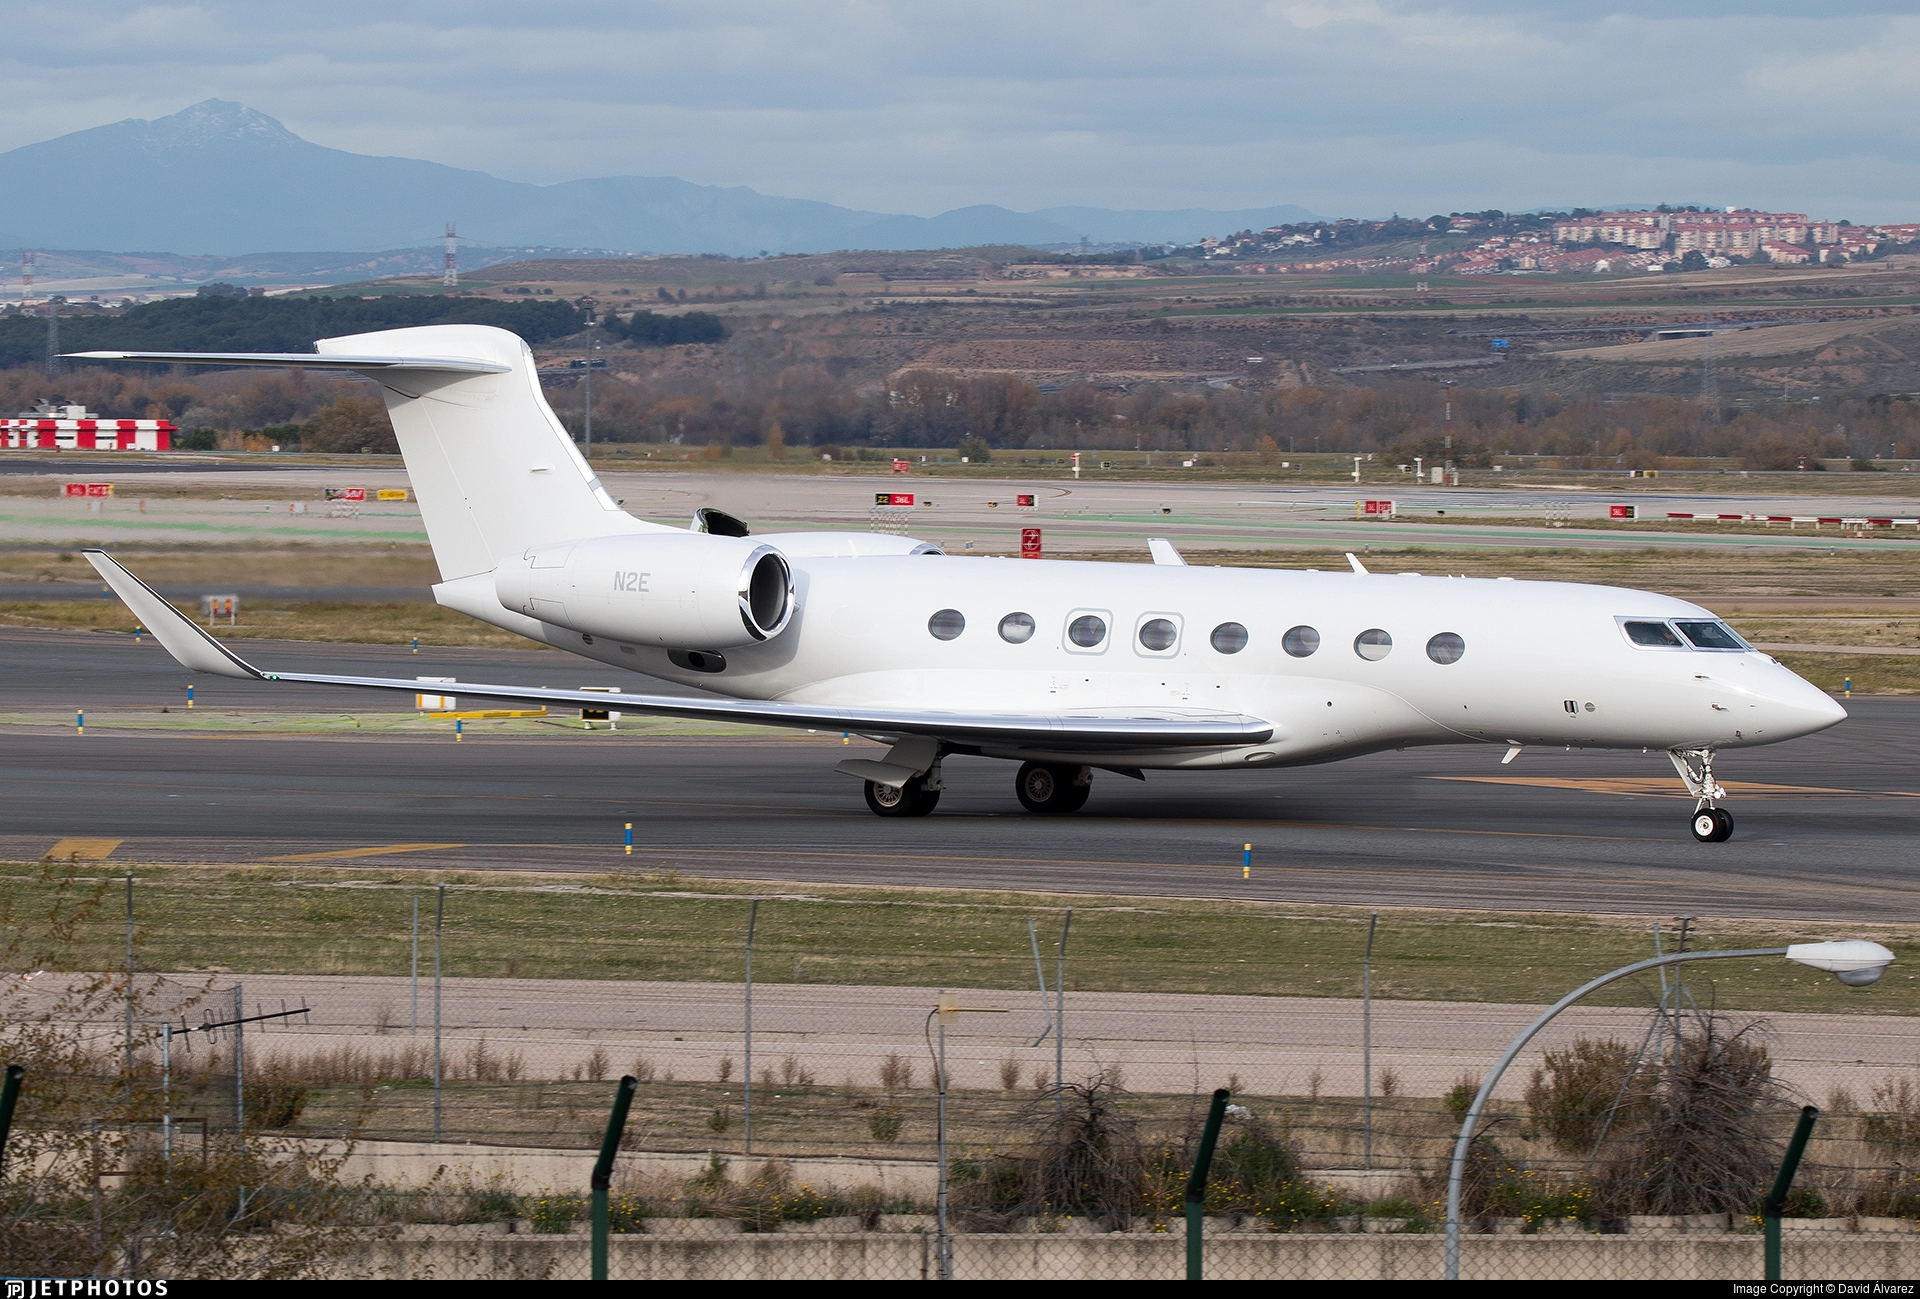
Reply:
x=1376, y=509
x=902, y=466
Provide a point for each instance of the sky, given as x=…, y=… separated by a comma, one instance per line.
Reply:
x=1356, y=108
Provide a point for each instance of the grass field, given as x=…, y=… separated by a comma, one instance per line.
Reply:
x=669, y=927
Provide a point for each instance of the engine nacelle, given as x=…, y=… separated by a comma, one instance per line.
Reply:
x=681, y=590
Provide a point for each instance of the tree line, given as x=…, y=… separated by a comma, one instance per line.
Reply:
x=810, y=406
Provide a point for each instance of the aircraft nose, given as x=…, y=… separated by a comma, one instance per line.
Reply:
x=1803, y=708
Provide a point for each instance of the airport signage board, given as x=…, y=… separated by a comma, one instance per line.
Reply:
x=391, y=494
x=1024, y=500
x=1623, y=511
x=1029, y=543
x=902, y=466
x=893, y=498
x=346, y=493
x=1501, y=344
x=1376, y=509
x=89, y=489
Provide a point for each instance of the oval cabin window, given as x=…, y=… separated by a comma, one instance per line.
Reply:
x=1158, y=634
x=1087, y=631
x=947, y=624
x=1373, y=644
x=1447, y=647
x=1229, y=638
x=1300, y=642
x=1016, y=628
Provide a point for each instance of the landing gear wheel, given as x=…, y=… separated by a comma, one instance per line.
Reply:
x=1712, y=825
x=910, y=799
x=1051, y=789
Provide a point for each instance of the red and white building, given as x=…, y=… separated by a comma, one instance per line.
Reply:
x=72, y=428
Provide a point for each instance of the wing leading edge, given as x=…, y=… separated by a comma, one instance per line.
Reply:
x=1092, y=731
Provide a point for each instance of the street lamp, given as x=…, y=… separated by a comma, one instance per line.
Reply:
x=1854, y=962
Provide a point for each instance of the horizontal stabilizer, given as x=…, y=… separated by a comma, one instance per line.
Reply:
x=1102, y=730
x=308, y=360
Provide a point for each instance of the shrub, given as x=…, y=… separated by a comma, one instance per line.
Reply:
x=1583, y=1091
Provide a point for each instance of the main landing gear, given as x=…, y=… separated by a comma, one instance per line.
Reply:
x=918, y=796
x=1053, y=789
x=1711, y=823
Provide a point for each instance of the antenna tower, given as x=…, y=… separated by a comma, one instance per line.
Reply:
x=26, y=276
x=1447, y=397
x=53, y=335
x=451, y=277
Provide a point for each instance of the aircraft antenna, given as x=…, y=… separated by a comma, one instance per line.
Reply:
x=450, y=278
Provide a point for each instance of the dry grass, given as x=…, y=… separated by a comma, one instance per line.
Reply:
x=343, y=920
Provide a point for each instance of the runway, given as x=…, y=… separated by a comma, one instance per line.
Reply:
x=1825, y=824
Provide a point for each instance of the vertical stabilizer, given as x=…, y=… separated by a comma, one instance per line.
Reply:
x=491, y=465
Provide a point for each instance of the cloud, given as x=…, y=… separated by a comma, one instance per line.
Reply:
x=1360, y=107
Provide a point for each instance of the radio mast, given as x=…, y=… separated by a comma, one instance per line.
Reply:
x=451, y=277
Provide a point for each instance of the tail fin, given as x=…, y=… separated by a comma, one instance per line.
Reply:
x=492, y=467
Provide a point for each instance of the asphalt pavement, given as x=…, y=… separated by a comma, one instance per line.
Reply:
x=1825, y=824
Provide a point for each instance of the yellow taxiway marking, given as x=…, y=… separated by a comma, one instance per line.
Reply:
x=1656, y=787
x=340, y=854
x=84, y=849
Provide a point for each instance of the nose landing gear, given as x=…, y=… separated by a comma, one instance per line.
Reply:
x=1711, y=823
x=1052, y=789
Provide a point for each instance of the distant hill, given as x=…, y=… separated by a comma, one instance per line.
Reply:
x=219, y=178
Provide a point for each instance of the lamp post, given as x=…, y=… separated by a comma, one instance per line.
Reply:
x=1854, y=962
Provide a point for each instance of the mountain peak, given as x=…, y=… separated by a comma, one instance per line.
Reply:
x=212, y=121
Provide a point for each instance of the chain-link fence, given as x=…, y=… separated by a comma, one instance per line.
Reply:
x=414, y=1124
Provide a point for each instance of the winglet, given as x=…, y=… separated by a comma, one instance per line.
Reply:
x=1163, y=552
x=190, y=647
x=1358, y=567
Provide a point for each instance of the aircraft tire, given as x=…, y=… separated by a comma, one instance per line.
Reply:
x=910, y=799
x=1711, y=825
x=1050, y=789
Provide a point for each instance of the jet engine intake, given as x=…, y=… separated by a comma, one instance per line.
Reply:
x=667, y=589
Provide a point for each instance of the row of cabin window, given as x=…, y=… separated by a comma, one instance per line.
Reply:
x=1159, y=635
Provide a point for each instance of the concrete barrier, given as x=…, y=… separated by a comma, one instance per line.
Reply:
x=883, y=1256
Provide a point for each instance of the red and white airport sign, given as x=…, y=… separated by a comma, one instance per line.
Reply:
x=89, y=489
x=1623, y=511
x=1024, y=500
x=893, y=498
x=346, y=493
x=1377, y=509
x=902, y=466
x=1029, y=543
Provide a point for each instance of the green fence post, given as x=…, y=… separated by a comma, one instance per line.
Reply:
x=1777, y=1197
x=9, y=1096
x=603, y=1172
x=1197, y=1183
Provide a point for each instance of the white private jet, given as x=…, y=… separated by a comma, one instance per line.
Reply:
x=1062, y=667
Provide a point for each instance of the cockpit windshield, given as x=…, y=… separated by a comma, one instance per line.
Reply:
x=1711, y=635
x=1656, y=634
x=1682, y=634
